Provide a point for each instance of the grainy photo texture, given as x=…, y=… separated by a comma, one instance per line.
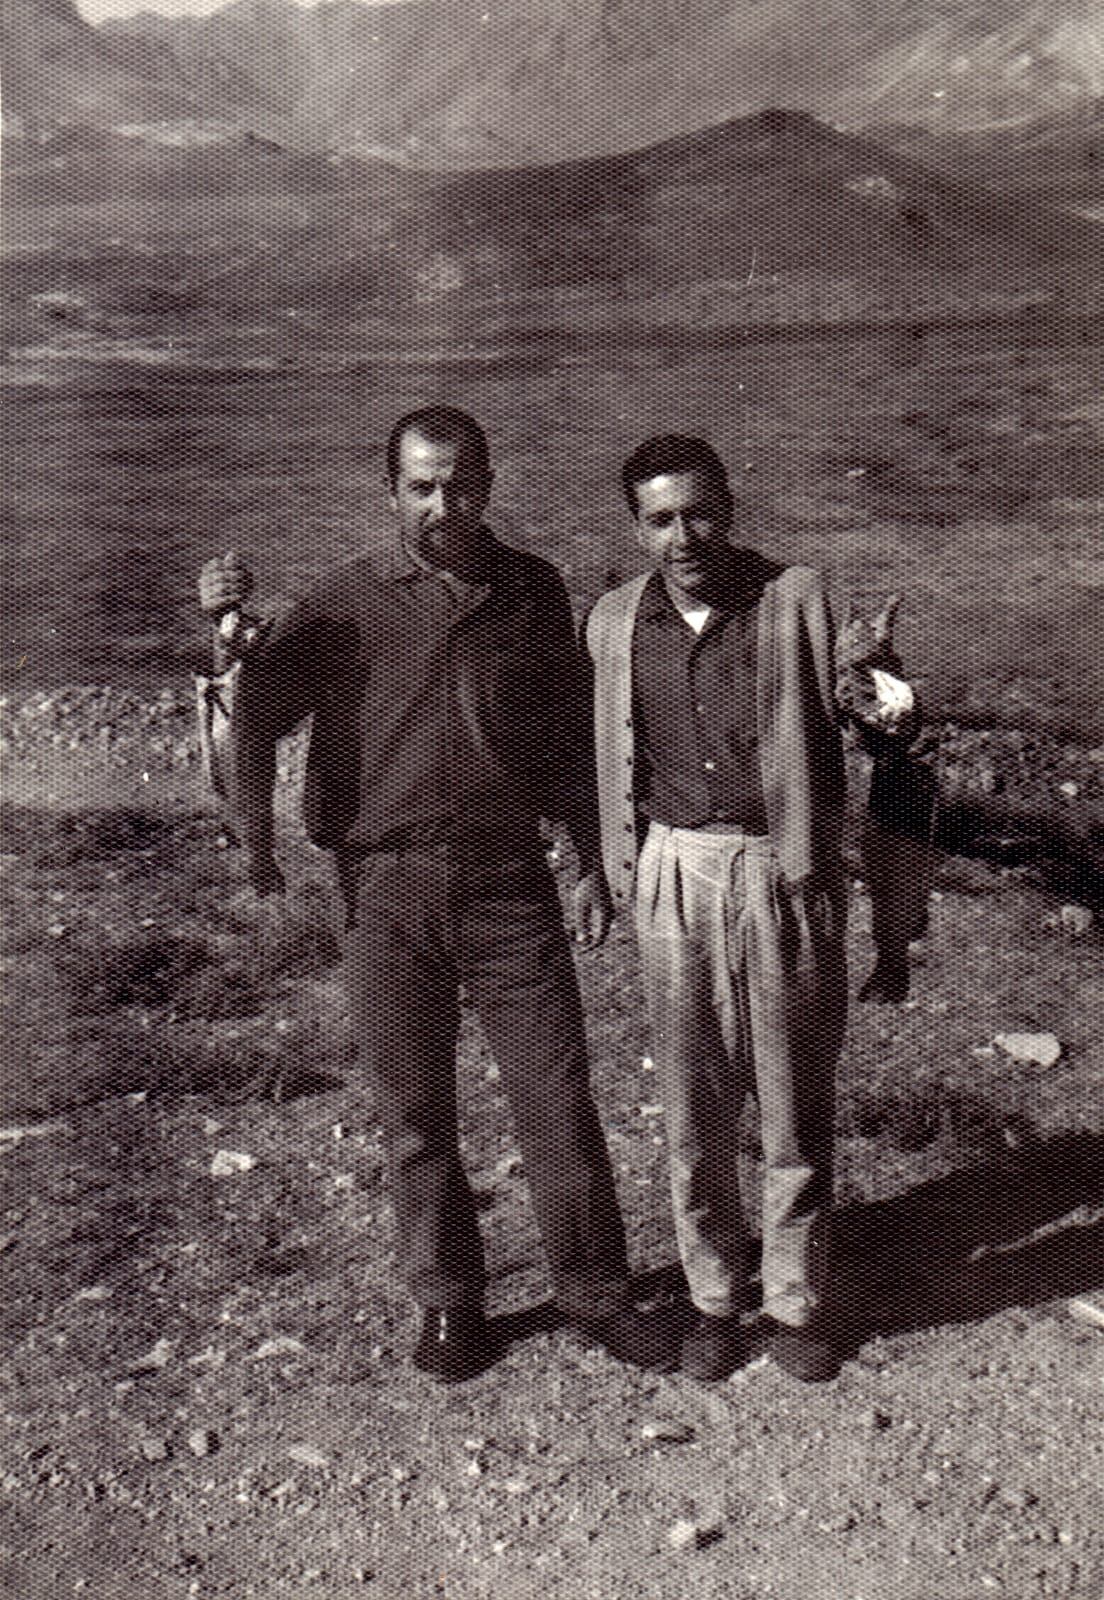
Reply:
x=553, y=800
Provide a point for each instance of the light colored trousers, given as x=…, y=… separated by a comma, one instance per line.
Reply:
x=747, y=989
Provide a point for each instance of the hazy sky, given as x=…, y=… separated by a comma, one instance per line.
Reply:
x=96, y=10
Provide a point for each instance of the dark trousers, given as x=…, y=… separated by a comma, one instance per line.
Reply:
x=421, y=923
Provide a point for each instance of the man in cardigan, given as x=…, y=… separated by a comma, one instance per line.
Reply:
x=721, y=789
x=450, y=714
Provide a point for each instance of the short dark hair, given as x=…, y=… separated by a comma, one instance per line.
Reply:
x=440, y=425
x=673, y=452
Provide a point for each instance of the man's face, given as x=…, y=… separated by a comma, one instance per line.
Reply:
x=439, y=496
x=683, y=522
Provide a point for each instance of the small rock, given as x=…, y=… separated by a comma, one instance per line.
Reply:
x=203, y=1441
x=1088, y=1308
x=95, y=1291
x=683, y=1535
x=1069, y=789
x=155, y=1449
x=1076, y=920
x=308, y=1456
x=475, y=1468
x=686, y=1534
x=838, y=1524
x=647, y=1064
x=493, y=1073
x=338, y=1131
x=227, y=1163
x=1038, y=1049
x=874, y=1419
x=652, y=1110
x=518, y=1486
x=282, y=1345
x=1018, y=1499
x=508, y=1165
x=667, y=1430
x=154, y=1360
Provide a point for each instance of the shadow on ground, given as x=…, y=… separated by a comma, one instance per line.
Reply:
x=1007, y=1233
x=1069, y=859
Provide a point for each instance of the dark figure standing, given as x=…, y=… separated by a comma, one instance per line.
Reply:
x=450, y=716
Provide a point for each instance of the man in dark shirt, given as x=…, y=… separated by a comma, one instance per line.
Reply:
x=450, y=716
x=721, y=788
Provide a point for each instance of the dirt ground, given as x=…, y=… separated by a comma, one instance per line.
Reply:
x=206, y=1384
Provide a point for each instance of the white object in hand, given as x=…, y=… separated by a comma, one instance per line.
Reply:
x=895, y=698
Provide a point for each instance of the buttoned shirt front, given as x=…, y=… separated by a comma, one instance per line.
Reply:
x=695, y=712
x=445, y=708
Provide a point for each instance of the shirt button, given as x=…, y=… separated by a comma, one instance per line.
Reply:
x=630, y=827
x=627, y=865
x=628, y=722
x=710, y=766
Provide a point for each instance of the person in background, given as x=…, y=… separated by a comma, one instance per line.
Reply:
x=718, y=711
x=450, y=716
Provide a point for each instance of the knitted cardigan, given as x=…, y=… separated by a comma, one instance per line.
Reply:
x=800, y=747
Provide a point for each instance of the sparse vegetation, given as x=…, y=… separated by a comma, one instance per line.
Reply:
x=971, y=1204
x=206, y=1378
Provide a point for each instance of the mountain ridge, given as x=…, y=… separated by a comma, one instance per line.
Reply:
x=458, y=83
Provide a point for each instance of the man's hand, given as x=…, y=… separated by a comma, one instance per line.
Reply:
x=264, y=875
x=593, y=909
x=225, y=584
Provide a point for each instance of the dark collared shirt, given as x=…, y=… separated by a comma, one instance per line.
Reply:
x=695, y=710
x=445, y=709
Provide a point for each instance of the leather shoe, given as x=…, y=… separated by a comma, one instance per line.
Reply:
x=713, y=1348
x=808, y=1354
x=455, y=1344
x=646, y=1339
